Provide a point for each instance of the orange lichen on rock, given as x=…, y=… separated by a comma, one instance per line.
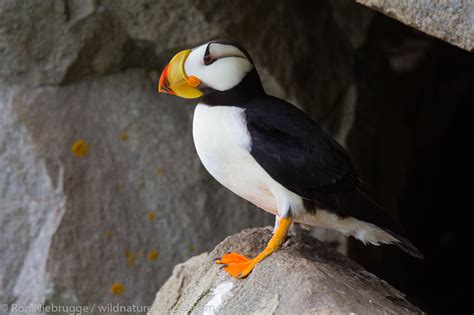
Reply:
x=152, y=255
x=123, y=136
x=117, y=288
x=80, y=148
x=151, y=216
x=160, y=171
x=130, y=258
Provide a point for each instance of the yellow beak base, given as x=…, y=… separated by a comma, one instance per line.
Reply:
x=174, y=80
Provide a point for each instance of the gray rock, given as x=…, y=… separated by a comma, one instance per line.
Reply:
x=73, y=226
x=52, y=42
x=303, y=277
x=451, y=21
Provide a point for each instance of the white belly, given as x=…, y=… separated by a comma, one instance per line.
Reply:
x=223, y=145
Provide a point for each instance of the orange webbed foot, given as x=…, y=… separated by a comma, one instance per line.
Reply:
x=238, y=266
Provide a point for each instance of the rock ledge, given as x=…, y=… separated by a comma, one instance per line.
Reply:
x=304, y=277
x=451, y=21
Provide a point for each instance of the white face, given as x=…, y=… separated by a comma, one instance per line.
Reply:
x=222, y=68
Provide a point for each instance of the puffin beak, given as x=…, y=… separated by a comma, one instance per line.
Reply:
x=174, y=80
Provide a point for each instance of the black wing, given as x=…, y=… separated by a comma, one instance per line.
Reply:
x=302, y=157
x=295, y=151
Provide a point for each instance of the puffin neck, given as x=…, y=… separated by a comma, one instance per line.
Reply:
x=248, y=88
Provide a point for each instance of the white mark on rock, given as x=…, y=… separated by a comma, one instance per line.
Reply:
x=218, y=295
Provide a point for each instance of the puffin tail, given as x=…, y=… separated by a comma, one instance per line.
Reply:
x=407, y=246
x=392, y=227
x=369, y=211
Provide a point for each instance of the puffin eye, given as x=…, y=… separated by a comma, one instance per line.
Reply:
x=208, y=59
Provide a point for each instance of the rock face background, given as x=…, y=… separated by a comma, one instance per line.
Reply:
x=74, y=227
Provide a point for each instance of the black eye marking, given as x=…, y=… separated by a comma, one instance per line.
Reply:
x=208, y=60
x=207, y=57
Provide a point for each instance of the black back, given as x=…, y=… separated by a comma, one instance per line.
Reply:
x=295, y=150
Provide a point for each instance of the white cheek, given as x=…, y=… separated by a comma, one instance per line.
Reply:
x=225, y=73
x=221, y=75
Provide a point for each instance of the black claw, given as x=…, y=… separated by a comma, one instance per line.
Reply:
x=215, y=259
x=223, y=266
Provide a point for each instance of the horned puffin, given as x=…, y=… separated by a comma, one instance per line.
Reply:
x=270, y=153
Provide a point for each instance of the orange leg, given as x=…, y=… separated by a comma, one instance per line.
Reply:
x=239, y=266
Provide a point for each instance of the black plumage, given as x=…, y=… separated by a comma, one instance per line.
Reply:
x=295, y=150
x=301, y=156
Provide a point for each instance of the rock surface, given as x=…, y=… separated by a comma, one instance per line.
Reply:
x=103, y=214
x=304, y=277
x=451, y=21
x=138, y=201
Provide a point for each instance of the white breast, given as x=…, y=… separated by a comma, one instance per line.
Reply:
x=223, y=145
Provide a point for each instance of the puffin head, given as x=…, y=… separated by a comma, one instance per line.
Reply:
x=220, y=70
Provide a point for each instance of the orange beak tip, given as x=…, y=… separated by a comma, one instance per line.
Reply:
x=163, y=83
